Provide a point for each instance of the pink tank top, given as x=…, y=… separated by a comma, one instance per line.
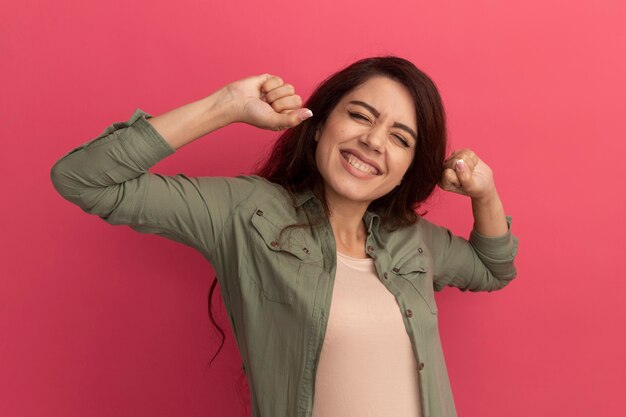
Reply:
x=367, y=367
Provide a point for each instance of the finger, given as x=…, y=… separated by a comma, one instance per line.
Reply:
x=464, y=174
x=449, y=180
x=467, y=155
x=285, y=90
x=458, y=153
x=469, y=160
x=271, y=83
x=286, y=120
x=287, y=103
x=450, y=161
x=454, y=152
x=471, y=156
x=258, y=81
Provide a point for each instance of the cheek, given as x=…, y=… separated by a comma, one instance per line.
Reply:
x=403, y=163
x=318, y=161
x=321, y=157
x=324, y=149
x=319, y=151
x=408, y=165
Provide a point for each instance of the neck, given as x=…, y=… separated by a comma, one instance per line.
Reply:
x=346, y=220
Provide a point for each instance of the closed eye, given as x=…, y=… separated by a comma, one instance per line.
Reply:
x=402, y=141
x=358, y=116
x=399, y=138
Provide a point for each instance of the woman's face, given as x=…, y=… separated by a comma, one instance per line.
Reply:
x=367, y=142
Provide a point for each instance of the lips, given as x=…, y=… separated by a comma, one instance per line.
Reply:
x=361, y=163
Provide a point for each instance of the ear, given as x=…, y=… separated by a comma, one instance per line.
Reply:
x=318, y=132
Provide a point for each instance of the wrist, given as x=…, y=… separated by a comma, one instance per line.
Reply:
x=488, y=198
x=220, y=108
x=489, y=217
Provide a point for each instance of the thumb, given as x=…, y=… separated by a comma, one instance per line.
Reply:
x=261, y=78
x=464, y=175
x=286, y=120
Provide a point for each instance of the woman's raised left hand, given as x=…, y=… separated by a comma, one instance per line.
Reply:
x=465, y=173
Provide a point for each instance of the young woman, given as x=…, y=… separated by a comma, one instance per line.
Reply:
x=326, y=271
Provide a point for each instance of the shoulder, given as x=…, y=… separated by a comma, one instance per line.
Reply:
x=248, y=186
x=421, y=234
x=257, y=193
x=264, y=190
x=418, y=229
x=427, y=228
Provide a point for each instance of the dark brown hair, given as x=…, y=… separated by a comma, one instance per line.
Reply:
x=291, y=162
x=292, y=159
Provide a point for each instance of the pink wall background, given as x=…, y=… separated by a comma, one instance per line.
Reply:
x=98, y=320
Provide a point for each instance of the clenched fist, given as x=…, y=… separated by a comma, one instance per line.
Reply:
x=266, y=102
x=465, y=173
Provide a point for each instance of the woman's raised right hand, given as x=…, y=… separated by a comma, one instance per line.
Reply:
x=266, y=102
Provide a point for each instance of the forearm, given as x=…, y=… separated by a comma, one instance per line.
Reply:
x=124, y=151
x=191, y=121
x=494, y=246
x=489, y=217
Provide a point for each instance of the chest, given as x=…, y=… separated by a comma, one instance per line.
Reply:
x=289, y=262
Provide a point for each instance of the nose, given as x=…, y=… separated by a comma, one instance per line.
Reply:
x=375, y=139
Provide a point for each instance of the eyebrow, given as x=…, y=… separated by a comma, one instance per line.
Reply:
x=377, y=113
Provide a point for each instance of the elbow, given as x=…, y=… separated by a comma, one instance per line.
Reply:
x=63, y=183
x=493, y=279
x=69, y=185
x=501, y=280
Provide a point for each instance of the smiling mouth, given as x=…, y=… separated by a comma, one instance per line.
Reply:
x=359, y=164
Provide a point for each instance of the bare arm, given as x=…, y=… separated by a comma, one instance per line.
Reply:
x=489, y=217
x=264, y=101
x=187, y=123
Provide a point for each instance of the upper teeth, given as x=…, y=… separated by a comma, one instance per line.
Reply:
x=360, y=165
